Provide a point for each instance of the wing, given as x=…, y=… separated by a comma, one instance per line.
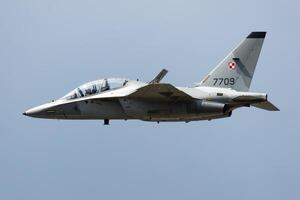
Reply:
x=160, y=92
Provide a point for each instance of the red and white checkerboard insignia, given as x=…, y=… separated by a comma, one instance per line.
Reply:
x=232, y=65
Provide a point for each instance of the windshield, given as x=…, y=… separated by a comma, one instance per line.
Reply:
x=95, y=87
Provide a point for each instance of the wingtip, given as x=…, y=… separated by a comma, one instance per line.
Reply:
x=257, y=34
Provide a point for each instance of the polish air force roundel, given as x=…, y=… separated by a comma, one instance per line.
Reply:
x=232, y=65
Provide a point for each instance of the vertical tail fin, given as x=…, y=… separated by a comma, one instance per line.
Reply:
x=237, y=68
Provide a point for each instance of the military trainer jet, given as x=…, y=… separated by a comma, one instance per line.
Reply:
x=224, y=89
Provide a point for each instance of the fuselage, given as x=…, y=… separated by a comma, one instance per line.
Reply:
x=208, y=103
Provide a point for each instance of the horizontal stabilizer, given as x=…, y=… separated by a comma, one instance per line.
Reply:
x=266, y=105
x=250, y=99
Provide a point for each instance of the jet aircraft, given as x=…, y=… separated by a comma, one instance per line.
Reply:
x=223, y=90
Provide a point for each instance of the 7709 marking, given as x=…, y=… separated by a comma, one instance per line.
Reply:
x=224, y=81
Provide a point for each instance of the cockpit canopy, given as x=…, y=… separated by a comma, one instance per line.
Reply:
x=95, y=87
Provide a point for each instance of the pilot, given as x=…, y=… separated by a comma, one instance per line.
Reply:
x=94, y=90
x=88, y=92
x=105, y=86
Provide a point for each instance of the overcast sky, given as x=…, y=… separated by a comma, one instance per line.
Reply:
x=50, y=47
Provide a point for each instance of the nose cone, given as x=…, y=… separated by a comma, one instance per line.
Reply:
x=43, y=111
x=34, y=112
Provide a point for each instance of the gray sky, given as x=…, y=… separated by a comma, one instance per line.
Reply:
x=49, y=47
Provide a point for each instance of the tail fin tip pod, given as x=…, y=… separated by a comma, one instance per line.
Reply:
x=236, y=70
x=257, y=35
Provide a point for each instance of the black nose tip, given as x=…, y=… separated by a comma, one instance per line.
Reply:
x=24, y=113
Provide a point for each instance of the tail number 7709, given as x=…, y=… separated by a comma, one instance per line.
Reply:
x=224, y=81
